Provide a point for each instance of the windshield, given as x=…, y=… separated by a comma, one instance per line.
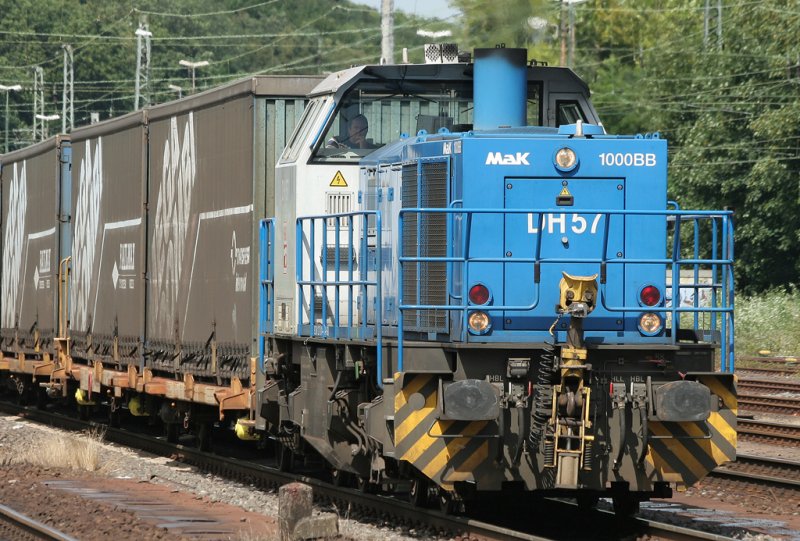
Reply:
x=375, y=113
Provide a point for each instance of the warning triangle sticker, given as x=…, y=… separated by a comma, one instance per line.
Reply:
x=338, y=180
x=564, y=192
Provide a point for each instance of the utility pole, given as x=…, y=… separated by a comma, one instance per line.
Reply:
x=387, y=31
x=142, y=93
x=68, y=96
x=8, y=90
x=568, y=57
x=38, y=103
x=562, y=31
x=710, y=16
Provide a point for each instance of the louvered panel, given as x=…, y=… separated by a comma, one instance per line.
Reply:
x=425, y=236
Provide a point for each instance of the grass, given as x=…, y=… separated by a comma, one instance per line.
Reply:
x=63, y=451
x=769, y=321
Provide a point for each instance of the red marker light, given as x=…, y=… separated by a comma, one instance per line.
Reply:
x=478, y=294
x=650, y=295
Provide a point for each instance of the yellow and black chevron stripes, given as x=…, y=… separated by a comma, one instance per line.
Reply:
x=686, y=452
x=445, y=451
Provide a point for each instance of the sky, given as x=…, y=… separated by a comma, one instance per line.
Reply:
x=425, y=8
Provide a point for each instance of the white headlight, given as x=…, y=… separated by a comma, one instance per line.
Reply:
x=566, y=159
x=650, y=324
x=479, y=322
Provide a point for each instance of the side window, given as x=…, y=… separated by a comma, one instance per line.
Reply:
x=568, y=112
x=303, y=130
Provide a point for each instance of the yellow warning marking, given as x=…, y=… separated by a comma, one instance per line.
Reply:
x=414, y=386
x=451, y=449
x=338, y=180
x=465, y=472
x=425, y=442
x=723, y=427
x=711, y=448
x=564, y=192
x=680, y=452
x=410, y=423
x=723, y=392
x=663, y=469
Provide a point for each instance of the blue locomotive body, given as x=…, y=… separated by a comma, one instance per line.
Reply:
x=528, y=306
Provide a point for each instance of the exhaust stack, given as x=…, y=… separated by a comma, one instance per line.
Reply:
x=500, y=85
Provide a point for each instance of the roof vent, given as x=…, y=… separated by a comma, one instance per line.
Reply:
x=441, y=53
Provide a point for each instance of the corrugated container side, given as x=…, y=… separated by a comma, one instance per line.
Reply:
x=30, y=237
x=200, y=237
x=211, y=179
x=109, y=250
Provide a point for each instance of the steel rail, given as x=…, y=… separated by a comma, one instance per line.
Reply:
x=786, y=370
x=769, y=404
x=262, y=476
x=768, y=385
x=768, y=432
x=762, y=470
x=29, y=527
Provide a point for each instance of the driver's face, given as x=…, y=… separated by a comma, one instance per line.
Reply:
x=357, y=130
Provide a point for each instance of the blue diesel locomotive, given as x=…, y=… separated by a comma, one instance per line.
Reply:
x=447, y=281
x=504, y=305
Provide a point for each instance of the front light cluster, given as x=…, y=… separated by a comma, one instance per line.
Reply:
x=479, y=322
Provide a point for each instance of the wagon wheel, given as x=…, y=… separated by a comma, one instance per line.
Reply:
x=284, y=457
x=625, y=506
x=204, y=436
x=418, y=493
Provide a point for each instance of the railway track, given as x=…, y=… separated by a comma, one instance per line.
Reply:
x=768, y=432
x=782, y=370
x=757, y=471
x=769, y=404
x=15, y=526
x=357, y=501
x=768, y=385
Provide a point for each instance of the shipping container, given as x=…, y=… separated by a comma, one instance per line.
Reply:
x=108, y=248
x=33, y=212
x=211, y=179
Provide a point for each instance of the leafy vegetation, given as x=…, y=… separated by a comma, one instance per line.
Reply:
x=768, y=321
x=723, y=91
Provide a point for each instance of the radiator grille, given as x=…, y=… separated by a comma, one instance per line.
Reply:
x=338, y=203
x=425, y=236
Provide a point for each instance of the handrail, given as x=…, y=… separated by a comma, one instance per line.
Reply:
x=266, y=293
x=308, y=279
x=722, y=263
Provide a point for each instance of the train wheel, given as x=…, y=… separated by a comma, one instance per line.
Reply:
x=204, y=436
x=115, y=418
x=418, y=493
x=625, y=506
x=284, y=456
x=41, y=398
x=587, y=502
x=84, y=412
x=171, y=432
x=447, y=504
x=340, y=478
x=363, y=485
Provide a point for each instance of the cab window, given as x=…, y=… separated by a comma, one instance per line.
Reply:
x=568, y=112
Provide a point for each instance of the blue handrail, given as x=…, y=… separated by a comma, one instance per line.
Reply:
x=310, y=280
x=266, y=293
x=722, y=262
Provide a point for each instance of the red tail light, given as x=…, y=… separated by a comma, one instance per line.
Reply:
x=650, y=295
x=478, y=294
